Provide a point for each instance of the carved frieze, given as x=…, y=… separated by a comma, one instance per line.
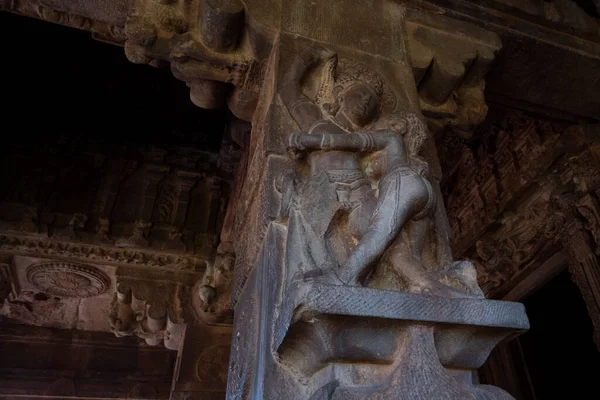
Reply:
x=545, y=164
x=503, y=253
x=482, y=181
x=68, y=279
x=89, y=252
x=103, y=31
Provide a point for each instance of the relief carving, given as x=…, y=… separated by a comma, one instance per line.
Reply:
x=104, y=254
x=589, y=208
x=577, y=241
x=68, y=279
x=341, y=229
x=100, y=30
x=485, y=177
x=150, y=310
x=212, y=293
x=508, y=250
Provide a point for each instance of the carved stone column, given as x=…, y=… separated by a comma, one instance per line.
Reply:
x=577, y=241
x=340, y=291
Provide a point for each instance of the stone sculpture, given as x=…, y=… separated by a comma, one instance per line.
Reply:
x=345, y=139
x=352, y=295
x=143, y=309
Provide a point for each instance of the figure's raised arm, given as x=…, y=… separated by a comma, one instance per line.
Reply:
x=302, y=109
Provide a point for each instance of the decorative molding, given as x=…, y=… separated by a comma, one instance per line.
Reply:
x=101, y=31
x=506, y=252
x=484, y=178
x=40, y=246
x=68, y=279
x=150, y=309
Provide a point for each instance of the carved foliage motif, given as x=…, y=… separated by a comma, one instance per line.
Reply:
x=68, y=279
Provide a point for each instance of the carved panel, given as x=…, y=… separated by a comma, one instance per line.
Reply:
x=68, y=279
x=103, y=31
x=505, y=252
x=485, y=175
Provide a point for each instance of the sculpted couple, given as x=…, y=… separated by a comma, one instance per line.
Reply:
x=340, y=227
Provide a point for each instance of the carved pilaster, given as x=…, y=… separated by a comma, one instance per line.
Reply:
x=9, y=286
x=578, y=242
x=331, y=302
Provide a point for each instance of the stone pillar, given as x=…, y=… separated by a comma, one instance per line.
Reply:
x=580, y=242
x=199, y=372
x=339, y=290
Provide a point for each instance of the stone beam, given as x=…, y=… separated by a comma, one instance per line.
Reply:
x=219, y=48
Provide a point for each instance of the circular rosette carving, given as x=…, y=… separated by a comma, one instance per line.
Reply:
x=68, y=279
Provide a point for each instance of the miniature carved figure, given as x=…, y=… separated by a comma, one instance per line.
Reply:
x=213, y=292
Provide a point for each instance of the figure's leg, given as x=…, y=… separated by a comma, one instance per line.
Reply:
x=418, y=279
x=400, y=198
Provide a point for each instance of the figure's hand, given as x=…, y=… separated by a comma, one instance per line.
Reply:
x=295, y=147
x=295, y=141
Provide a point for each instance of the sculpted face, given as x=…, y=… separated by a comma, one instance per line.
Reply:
x=358, y=104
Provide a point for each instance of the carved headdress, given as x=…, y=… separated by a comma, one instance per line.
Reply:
x=411, y=125
x=338, y=77
x=357, y=73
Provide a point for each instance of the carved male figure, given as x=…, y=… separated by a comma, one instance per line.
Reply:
x=343, y=104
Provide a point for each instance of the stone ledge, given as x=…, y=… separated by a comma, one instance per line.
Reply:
x=367, y=302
